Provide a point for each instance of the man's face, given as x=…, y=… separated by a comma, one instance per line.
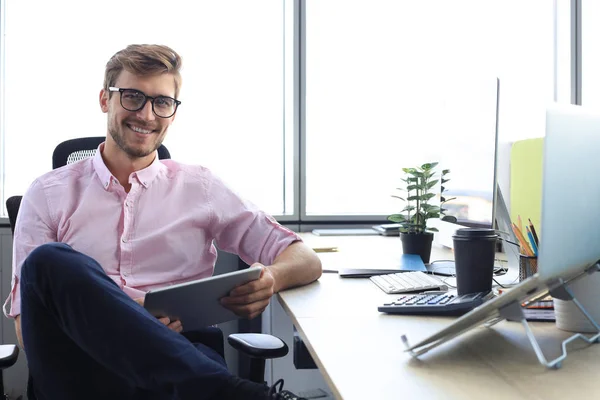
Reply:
x=137, y=133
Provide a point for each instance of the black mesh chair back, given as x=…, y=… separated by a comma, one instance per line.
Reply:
x=12, y=206
x=74, y=150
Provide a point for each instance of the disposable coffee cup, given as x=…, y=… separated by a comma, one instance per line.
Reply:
x=474, y=254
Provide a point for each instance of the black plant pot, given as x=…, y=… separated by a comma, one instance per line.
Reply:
x=417, y=243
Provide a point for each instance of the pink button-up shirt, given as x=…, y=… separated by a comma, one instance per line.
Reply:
x=161, y=233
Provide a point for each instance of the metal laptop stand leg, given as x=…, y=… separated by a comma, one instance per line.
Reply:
x=514, y=312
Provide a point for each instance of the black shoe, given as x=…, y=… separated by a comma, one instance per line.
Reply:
x=276, y=392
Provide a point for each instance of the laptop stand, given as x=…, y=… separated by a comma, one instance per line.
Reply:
x=559, y=290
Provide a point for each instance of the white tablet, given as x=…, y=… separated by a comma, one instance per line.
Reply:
x=196, y=303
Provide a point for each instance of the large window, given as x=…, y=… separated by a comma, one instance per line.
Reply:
x=231, y=118
x=383, y=76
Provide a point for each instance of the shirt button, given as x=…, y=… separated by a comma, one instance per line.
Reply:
x=124, y=240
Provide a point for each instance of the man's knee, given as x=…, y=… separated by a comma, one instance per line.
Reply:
x=44, y=257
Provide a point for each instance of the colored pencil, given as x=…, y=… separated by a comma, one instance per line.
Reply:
x=534, y=233
x=524, y=245
x=532, y=240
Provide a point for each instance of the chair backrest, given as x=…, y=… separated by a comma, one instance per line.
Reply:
x=12, y=206
x=73, y=150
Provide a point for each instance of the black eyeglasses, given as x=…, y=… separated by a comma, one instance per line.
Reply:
x=134, y=100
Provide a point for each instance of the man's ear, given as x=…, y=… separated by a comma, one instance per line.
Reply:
x=104, y=100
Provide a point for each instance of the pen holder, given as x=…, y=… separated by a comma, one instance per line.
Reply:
x=527, y=266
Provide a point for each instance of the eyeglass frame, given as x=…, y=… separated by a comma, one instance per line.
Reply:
x=113, y=89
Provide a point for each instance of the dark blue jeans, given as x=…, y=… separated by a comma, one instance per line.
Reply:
x=86, y=339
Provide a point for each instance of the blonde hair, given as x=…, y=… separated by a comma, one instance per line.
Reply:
x=144, y=60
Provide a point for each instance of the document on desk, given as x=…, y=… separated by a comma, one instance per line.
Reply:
x=407, y=262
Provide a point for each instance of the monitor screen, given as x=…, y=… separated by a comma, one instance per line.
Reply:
x=469, y=117
x=470, y=152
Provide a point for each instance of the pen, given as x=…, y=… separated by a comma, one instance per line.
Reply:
x=534, y=233
x=325, y=249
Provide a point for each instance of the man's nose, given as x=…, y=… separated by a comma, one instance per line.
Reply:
x=145, y=113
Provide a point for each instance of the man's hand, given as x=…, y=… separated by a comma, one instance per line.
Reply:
x=174, y=326
x=250, y=300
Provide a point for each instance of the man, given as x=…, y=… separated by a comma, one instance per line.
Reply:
x=94, y=236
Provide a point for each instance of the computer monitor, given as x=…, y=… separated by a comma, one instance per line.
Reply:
x=471, y=154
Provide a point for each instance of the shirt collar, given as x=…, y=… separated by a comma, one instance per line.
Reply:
x=144, y=176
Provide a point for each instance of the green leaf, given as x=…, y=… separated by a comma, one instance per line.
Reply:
x=429, y=166
x=432, y=184
x=433, y=229
x=445, y=171
x=408, y=208
x=450, y=218
x=445, y=180
x=396, y=218
x=427, y=196
x=412, y=187
x=398, y=197
x=450, y=199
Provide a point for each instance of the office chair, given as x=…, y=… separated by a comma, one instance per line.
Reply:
x=8, y=356
x=258, y=347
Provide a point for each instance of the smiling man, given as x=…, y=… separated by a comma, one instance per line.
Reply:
x=94, y=236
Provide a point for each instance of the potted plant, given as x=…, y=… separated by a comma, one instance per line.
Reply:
x=420, y=183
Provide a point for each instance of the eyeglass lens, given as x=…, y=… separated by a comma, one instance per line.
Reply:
x=133, y=100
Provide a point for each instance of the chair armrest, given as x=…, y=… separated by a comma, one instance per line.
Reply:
x=8, y=355
x=258, y=345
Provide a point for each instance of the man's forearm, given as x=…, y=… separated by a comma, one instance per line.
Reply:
x=297, y=265
x=18, y=330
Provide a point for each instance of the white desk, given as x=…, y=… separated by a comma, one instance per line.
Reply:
x=360, y=354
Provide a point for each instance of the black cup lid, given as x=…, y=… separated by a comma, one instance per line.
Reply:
x=475, y=232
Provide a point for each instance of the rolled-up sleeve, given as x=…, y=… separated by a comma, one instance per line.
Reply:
x=33, y=228
x=240, y=227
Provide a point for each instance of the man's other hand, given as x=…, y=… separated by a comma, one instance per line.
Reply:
x=250, y=299
x=174, y=325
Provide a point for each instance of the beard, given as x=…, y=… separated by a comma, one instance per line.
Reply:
x=118, y=134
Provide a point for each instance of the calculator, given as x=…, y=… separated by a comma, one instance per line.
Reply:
x=435, y=303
